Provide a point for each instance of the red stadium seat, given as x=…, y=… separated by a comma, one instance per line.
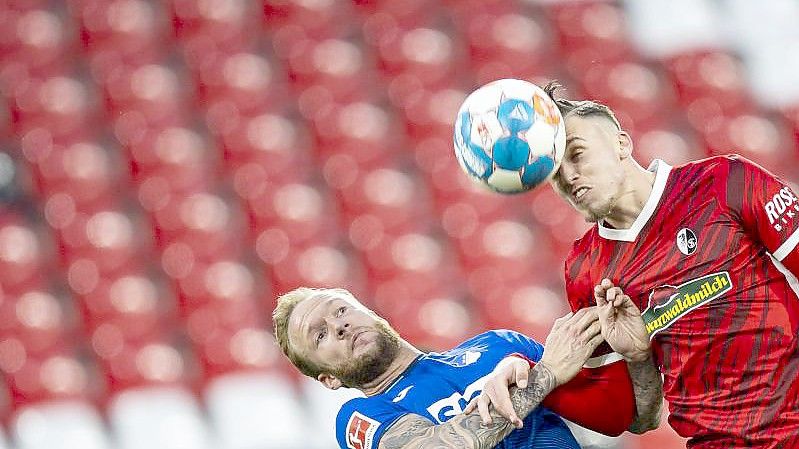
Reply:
x=273, y=147
x=153, y=363
x=81, y=170
x=246, y=80
x=711, y=75
x=508, y=44
x=147, y=96
x=317, y=265
x=316, y=18
x=753, y=136
x=589, y=32
x=201, y=222
x=335, y=69
x=431, y=322
x=431, y=113
x=106, y=240
x=127, y=308
x=35, y=40
x=524, y=306
x=35, y=320
x=59, y=104
x=172, y=159
x=429, y=54
x=513, y=248
x=398, y=200
x=21, y=257
x=203, y=26
x=127, y=32
x=364, y=131
x=633, y=90
x=223, y=288
x=383, y=17
x=38, y=380
x=303, y=211
x=239, y=349
x=413, y=254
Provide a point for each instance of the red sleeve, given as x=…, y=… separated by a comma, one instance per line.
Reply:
x=767, y=208
x=601, y=399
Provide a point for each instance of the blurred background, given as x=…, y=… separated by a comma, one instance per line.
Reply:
x=168, y=167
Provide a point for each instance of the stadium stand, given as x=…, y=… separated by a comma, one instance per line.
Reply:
x=168, y=166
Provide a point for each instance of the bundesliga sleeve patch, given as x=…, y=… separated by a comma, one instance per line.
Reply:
x=361, y=431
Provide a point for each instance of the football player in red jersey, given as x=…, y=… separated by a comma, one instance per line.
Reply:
x=694, y=266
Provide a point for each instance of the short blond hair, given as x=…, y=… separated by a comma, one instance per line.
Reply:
x=582, y=108
x=280, y=319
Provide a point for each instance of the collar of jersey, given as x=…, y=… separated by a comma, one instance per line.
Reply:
x=402, y=375
x=662, y=171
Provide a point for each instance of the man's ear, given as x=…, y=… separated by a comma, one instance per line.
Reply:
x=330, y=381
x=625, y=144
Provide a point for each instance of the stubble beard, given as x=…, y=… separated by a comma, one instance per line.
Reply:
x=373, y=363
x=594, y=215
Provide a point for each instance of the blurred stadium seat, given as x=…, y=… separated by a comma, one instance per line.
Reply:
x=170, y=166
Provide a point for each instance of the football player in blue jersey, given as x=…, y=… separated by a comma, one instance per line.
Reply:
x=416, y=400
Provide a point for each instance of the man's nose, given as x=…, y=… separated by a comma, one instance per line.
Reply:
x=341, y=326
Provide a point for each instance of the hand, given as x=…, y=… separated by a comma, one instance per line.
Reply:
x=570, y=343
x=621, y=322
x=509, y=371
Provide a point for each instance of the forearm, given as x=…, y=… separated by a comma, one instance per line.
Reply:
x=468, y=431
x=648, y=388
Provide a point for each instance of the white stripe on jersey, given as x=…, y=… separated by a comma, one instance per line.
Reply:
x=788, y=246
x=792, y=281
x=602, y=360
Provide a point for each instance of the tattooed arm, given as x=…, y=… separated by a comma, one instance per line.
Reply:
x=467, y=431
x=648, y=387
x=570, y=342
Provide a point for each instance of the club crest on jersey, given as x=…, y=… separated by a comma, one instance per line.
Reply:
x=361, y=431
x=687, y=241
x=781, y=208
x=669, y=303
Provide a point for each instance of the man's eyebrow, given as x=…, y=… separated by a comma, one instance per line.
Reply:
x=311, y=325
x=572, y=139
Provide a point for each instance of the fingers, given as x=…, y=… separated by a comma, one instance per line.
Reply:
x=595, y=341
x=471, y=406
x=500, y=400
x=521, y=377
x=482, y=408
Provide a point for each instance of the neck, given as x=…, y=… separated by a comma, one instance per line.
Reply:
x=636, y=191
x=406, y=356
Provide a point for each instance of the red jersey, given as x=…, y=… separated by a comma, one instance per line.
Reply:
x=709, y=263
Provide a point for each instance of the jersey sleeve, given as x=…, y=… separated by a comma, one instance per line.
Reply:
x=361, y=423
x=767, y=208
x=521, y=344
x=600, y=397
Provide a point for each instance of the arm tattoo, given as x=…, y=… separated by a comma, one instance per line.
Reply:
x=648, y=388
x=467, y=431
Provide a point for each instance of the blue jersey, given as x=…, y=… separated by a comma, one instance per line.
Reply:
x=438, y=386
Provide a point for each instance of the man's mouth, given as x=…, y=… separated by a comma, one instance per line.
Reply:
x=579, y=192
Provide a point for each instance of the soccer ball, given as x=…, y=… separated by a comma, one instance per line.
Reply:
x=509, y=136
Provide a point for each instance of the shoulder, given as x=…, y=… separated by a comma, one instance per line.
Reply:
x=494, y=336
x=365, y=420
x=715, y=165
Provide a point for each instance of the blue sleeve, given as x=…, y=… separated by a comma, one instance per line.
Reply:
x=361, y=422
x=520, y=343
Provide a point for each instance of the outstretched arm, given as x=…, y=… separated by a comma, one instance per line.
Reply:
x=467, y=431
x=648, y=389
x=624, y=330
x=572, y=340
